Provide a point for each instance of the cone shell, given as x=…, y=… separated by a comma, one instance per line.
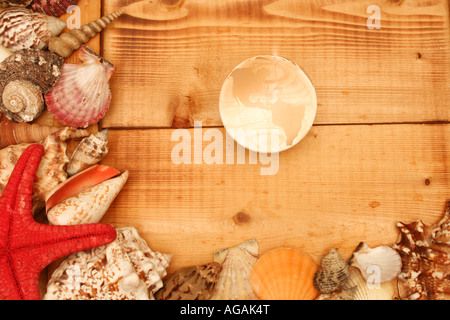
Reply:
x=82, y=95
x=12, y=133
x=24, y=77
x=14, y=3
x=67, y=43
x=126, y=269
x=21, y=28
x=191, y=283
x=284, y=274
x=236, y=263
x=90, y=205
x=54, y=8
x=332, y=274
x=89, y=151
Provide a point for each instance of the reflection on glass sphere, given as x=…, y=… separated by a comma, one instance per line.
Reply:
x=268, y=104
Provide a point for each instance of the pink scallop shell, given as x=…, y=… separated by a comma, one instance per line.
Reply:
x=54, y=8
x=82, y=96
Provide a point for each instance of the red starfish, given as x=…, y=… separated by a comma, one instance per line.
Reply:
x=27, y=247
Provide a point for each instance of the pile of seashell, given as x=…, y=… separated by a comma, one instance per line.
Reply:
x=33, y=74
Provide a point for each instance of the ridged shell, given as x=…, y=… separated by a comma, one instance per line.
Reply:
x=362, y=290
x=90, y=205
x=51, y=171
x=332, y=274
x=284, y=274
x=82, y=95
x=89, y=151
x=21, y=28
x=381, y=264
x=67, y=43
x=126, y=269
x=54, y=8
x=12, y=133
x=236, y=263
x=191, y=283
x=24, y=77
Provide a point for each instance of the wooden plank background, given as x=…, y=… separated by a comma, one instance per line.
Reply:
x=377, y=154
x=172, y=62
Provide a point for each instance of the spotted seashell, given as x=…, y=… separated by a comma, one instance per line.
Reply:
x=126, y=269
x=333, y=272
x=14, y=3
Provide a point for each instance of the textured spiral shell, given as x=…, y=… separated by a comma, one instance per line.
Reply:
x=67, y=43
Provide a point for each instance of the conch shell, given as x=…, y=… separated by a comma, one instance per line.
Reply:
x=24, y=77
x=21, y=28
x=333, y=272
x=12, y=133
x=51, y=171
x=82, y=95
x=67, y=43
x=88, y=206
x=191, y=283
x=54, y=8
x=237, y=263
x=90, y=151
x=425, y=253
x=126, y=269
x=14, y=3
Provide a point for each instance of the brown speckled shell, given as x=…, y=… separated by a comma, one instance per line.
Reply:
x=333, y=272
x=191, y=283
x=425, y=253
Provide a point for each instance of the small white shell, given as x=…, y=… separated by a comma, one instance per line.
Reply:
x=380, y=264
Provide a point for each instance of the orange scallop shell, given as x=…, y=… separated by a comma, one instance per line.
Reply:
x=284, y=274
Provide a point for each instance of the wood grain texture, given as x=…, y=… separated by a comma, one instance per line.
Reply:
x=341, y=185
x=172, y=61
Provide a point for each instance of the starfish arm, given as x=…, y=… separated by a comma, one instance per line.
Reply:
x=8, y=197
x=51, y=244
x=7, y=292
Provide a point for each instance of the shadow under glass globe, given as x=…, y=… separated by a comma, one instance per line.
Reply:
x=268, y=104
